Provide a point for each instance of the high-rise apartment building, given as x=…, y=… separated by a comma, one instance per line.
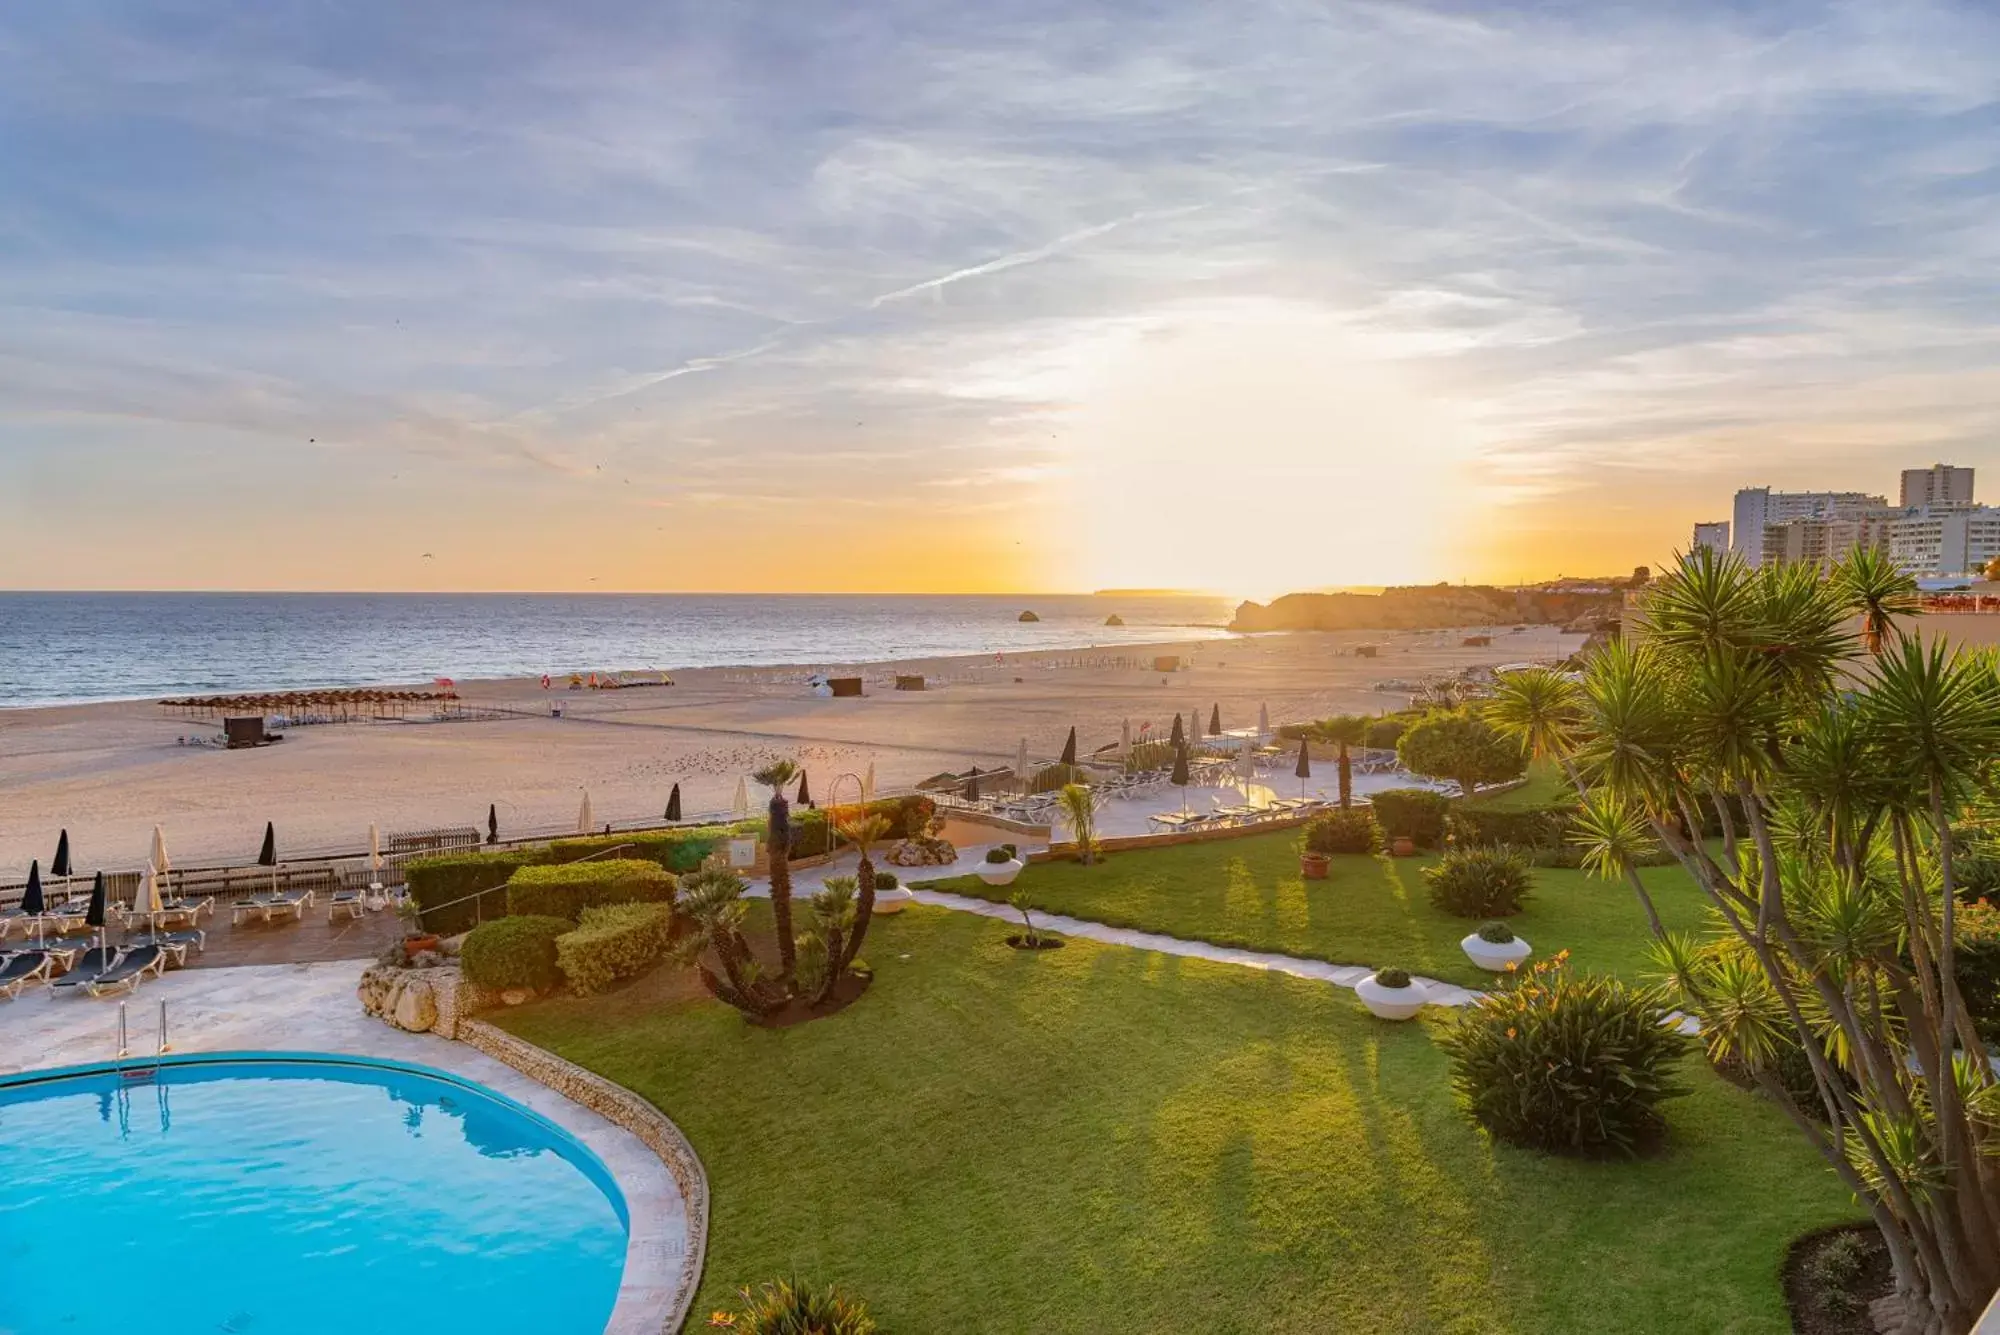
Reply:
x=1758, y=508
x=1713, y=535
x=1939, y=485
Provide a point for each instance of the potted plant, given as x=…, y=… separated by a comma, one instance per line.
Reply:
x=415, y=938
x=890, y=894
x=1403, y=846
x=1313, y=865
x=1001, y=865
x=1494, y=946
x=1391, y=994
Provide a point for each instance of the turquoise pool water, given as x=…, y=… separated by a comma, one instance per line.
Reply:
x=299, y=1196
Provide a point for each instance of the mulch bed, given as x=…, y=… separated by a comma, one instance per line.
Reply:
x=1020, y=942
x=845, y=993
x=1836, y=1304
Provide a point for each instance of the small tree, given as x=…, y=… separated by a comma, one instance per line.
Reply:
x=712, y=903
x=1343, y=730
x=1462, y=748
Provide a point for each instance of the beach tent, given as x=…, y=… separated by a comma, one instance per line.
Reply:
x=740, y=809
x=674, y=804
x=1069, y=750
x=585, y=822
x=1304, y=768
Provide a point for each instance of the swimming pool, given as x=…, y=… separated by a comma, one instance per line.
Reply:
x=297, y=1194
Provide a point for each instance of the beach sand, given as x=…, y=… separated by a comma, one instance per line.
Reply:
x=109, y=772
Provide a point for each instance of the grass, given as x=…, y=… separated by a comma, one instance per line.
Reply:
x=1105, y=1140
x=1546, y=786
x=1374, y=911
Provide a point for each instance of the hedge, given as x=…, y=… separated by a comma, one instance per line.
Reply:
x=1526, y=827
x=455, y=877
x=1416, y=814
x=565, y=891
x=677, y=851
x=1349, y=831
x=612, y=943
x=514, y=952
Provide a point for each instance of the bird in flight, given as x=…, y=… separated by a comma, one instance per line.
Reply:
x=428, y=557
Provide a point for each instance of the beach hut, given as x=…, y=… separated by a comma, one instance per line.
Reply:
x=585, y=819
x=845, y=688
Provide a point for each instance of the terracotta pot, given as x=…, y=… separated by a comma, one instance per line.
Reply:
x=1313, y=866
x=1402, y=846
x=417, y=943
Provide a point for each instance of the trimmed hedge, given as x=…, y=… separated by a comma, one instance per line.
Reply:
x=677, y=851
x=613, y=943
x=1528, y=827
x=514, y=952
x=566, y=891
x=1416, y=814
x=443, y=880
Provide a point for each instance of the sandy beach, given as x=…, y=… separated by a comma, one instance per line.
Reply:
x=109, y=772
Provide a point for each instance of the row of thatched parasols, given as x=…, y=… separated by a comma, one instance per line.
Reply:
x=295, y=702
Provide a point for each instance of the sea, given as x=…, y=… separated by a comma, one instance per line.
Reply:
x=69, y=648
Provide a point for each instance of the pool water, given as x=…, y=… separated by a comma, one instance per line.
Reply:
x=297, y=1196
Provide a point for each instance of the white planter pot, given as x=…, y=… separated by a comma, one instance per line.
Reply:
x=892, y=901
x=1497, y=956
x=1391, y=1003
x=1000, y=873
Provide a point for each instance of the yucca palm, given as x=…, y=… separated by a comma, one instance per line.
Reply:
x=863, y=831
x=776, y=776
x=1078, y=807
x=1879, y=590
x=1745, y=703
x=711, y=903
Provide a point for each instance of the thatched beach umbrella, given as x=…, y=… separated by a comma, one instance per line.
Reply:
x=674, y=804
x=492, y=822
x=1304, y=768
x=1069, y=750
x=584, y=821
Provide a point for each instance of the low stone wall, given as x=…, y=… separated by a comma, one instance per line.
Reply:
x=1066, y=850
x=622, y=1107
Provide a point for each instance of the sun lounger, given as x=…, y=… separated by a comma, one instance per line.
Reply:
x=93, y=962
x=17, y=971
x=353, y=903
x=173, y=944
x=125, y=975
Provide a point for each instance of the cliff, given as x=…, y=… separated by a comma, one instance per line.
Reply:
x=1426, y=607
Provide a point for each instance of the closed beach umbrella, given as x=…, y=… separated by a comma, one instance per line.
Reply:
x=972, y=785
x=1263, y=721
x=1021, y=762
x=374, y=857
x=868, y=783
x=31, y=898
x=805, y=790
x=674, y=804
x=492, y=823
x=267, y=856
x=1180, y=775
x=1179, y=736
x=1304, y=769
x=157, y=859
x=146, y=897
x=741, y=807
x=95, y=916
x=60, y=867
x=1194, y=726
x=1215, y=721
x=1125, y=737
x=1069, y=750
x=1246, y=768
x=583, y=818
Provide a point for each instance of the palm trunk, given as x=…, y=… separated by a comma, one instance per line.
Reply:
x=864, y=911
x=1346, y=779
x=781, y=887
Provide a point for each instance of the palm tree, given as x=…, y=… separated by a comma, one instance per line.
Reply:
x=1877, y=588
x=711, y=902
x=776, y=776
x=863, y=832
x=1079, y=812
x=1846, y=763
x=1344, y=730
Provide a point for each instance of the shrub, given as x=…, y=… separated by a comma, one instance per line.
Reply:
x=566, y=891
x=1383, y=734
x=1566, y=1064
x=1393, y=977
x=1351, y=831
x=1495, y=932
x=1416, y=814
x=612, y=943
x=999, y=855
x=448, y=889
x=517, y=951
x=1479, y=882
x=678, y=851
x=886, y=880
x=1529, y=827
x=1978, y=964
x=789, y=1307
x=1461, y=747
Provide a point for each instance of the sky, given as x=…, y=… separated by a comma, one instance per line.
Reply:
x=921, y=296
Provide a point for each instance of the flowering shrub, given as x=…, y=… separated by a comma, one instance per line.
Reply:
x=1567, y=1063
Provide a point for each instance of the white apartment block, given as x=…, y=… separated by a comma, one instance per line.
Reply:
x=1758, y=508
x=1713, y=535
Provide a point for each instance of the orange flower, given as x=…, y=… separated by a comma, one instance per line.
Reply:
x=722, y=1319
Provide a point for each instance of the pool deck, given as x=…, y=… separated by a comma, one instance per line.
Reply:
x=312, y=1008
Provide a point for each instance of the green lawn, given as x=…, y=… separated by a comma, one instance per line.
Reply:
x=1373, y=911
x=1546, y=786
x=1101, y=1140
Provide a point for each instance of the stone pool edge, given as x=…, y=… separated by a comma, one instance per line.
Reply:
x=653, y=1128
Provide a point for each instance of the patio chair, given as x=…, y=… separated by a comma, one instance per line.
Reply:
x=92, y=963
x=17, y=971
x=125, y=975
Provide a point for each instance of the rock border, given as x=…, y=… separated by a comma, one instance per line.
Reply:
x=620, y=1106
